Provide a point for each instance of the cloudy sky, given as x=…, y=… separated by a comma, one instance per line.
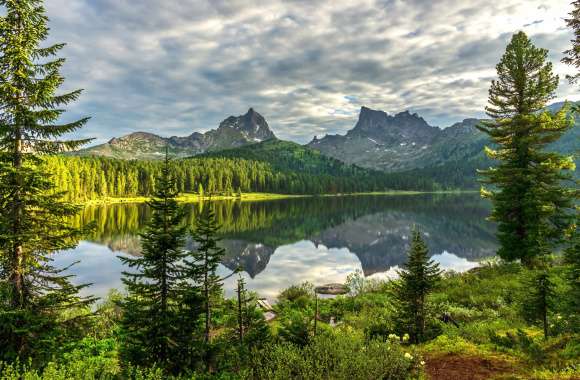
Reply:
x=172, y=67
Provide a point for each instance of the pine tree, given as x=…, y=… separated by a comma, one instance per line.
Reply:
x=251, y=330
x=532, y=207
x=572, y=259
x=539, y=299
x=418, y=279
x=572, y=57
x=152, y=312
x=202, y=265
x=33, y=216
x=242, y=310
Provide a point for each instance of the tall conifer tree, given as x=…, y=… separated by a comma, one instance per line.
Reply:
x=33, y=217
x=572, y=256
x=151, y=319
x=202, y=268
x=540, y=300
x=418, y=279
x=531, y=204
x=572, y=57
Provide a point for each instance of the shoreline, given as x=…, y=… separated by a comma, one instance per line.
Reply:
x=250, y=197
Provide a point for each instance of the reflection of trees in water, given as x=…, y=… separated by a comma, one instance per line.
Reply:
x=372, y=227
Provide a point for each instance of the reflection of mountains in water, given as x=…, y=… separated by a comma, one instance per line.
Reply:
x=375, y=228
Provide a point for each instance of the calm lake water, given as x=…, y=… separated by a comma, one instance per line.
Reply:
x=283, y=242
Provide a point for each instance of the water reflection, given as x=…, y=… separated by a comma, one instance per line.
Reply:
x=283, y=242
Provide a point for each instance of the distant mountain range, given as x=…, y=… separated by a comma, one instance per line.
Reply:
x=235, y=131
x=402, y=143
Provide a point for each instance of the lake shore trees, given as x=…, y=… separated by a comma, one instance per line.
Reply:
x=35, y=295
x=530, y=188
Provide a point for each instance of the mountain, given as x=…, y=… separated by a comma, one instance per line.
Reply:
x=406, y=144
x=235, y=131
x=287, y=156
x=401, y=142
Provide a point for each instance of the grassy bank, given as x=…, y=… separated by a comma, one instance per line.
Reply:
x=358, y=339
x=192, y=198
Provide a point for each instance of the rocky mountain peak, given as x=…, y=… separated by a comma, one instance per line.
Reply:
x=234, y=131
x=136, y=136
x=393, y=129
x=252, y=125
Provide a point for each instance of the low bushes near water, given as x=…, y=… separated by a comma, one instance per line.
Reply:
x=363, y=340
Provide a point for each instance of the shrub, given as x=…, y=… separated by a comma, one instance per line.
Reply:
x=302, y=293
x=336, y=355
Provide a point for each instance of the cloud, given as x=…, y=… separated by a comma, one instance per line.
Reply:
x=176, y=67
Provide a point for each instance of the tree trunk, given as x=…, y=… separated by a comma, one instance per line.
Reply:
x=17, y=259
x=240, y=317
x=207, y=316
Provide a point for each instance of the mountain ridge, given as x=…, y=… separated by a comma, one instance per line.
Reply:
x=402, y=143
x=232, y=132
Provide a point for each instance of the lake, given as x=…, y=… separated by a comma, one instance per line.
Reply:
x=282, y=242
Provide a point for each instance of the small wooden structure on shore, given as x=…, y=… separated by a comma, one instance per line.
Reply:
x=267, y=309
x=333, y=289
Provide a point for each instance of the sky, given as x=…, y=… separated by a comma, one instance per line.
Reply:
x=174, y=67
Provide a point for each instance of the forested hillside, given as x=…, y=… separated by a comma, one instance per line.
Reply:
x=269, y=167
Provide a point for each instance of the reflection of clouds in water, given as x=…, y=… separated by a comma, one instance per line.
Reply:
x=290, y=264
x=296, y=263
x=388, y=275
x=447, y=262
x=97, y=265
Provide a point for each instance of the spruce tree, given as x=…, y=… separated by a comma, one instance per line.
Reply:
x=202, y=265
x=151, y=311
x=531, y=204
x=252, y=330
x=572, y=57
x=539, y=299
x=34, y=219
x=572, y=259
x=418, y=279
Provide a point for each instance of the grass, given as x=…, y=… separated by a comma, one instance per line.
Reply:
x=192, y=197
x=490, y=340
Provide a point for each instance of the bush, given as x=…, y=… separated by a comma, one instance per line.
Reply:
x=295, y=329
x=300, y=294
x=336, y=355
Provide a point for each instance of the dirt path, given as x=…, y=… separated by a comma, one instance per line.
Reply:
x=453, y=367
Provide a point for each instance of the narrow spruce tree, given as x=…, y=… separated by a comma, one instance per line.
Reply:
x=572, y=259
x=418, y=278
x=34, y=219
x=151, y=320
x=539, y=299
x=572, y=57
x=242, y=310
x=531, y=203
x=253, y=330
x=201, y=268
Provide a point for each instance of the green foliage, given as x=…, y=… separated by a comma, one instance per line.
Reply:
x=572, y=259
x=301, y=294
x=532, y=205
x=201, y=269
x=540, y=299
x=521, y=341
x=295, y=327
x=338, y=355
x=269, y=167
x=152, y=310
x=418, y=279
x=34, y=221
x=572, y=57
